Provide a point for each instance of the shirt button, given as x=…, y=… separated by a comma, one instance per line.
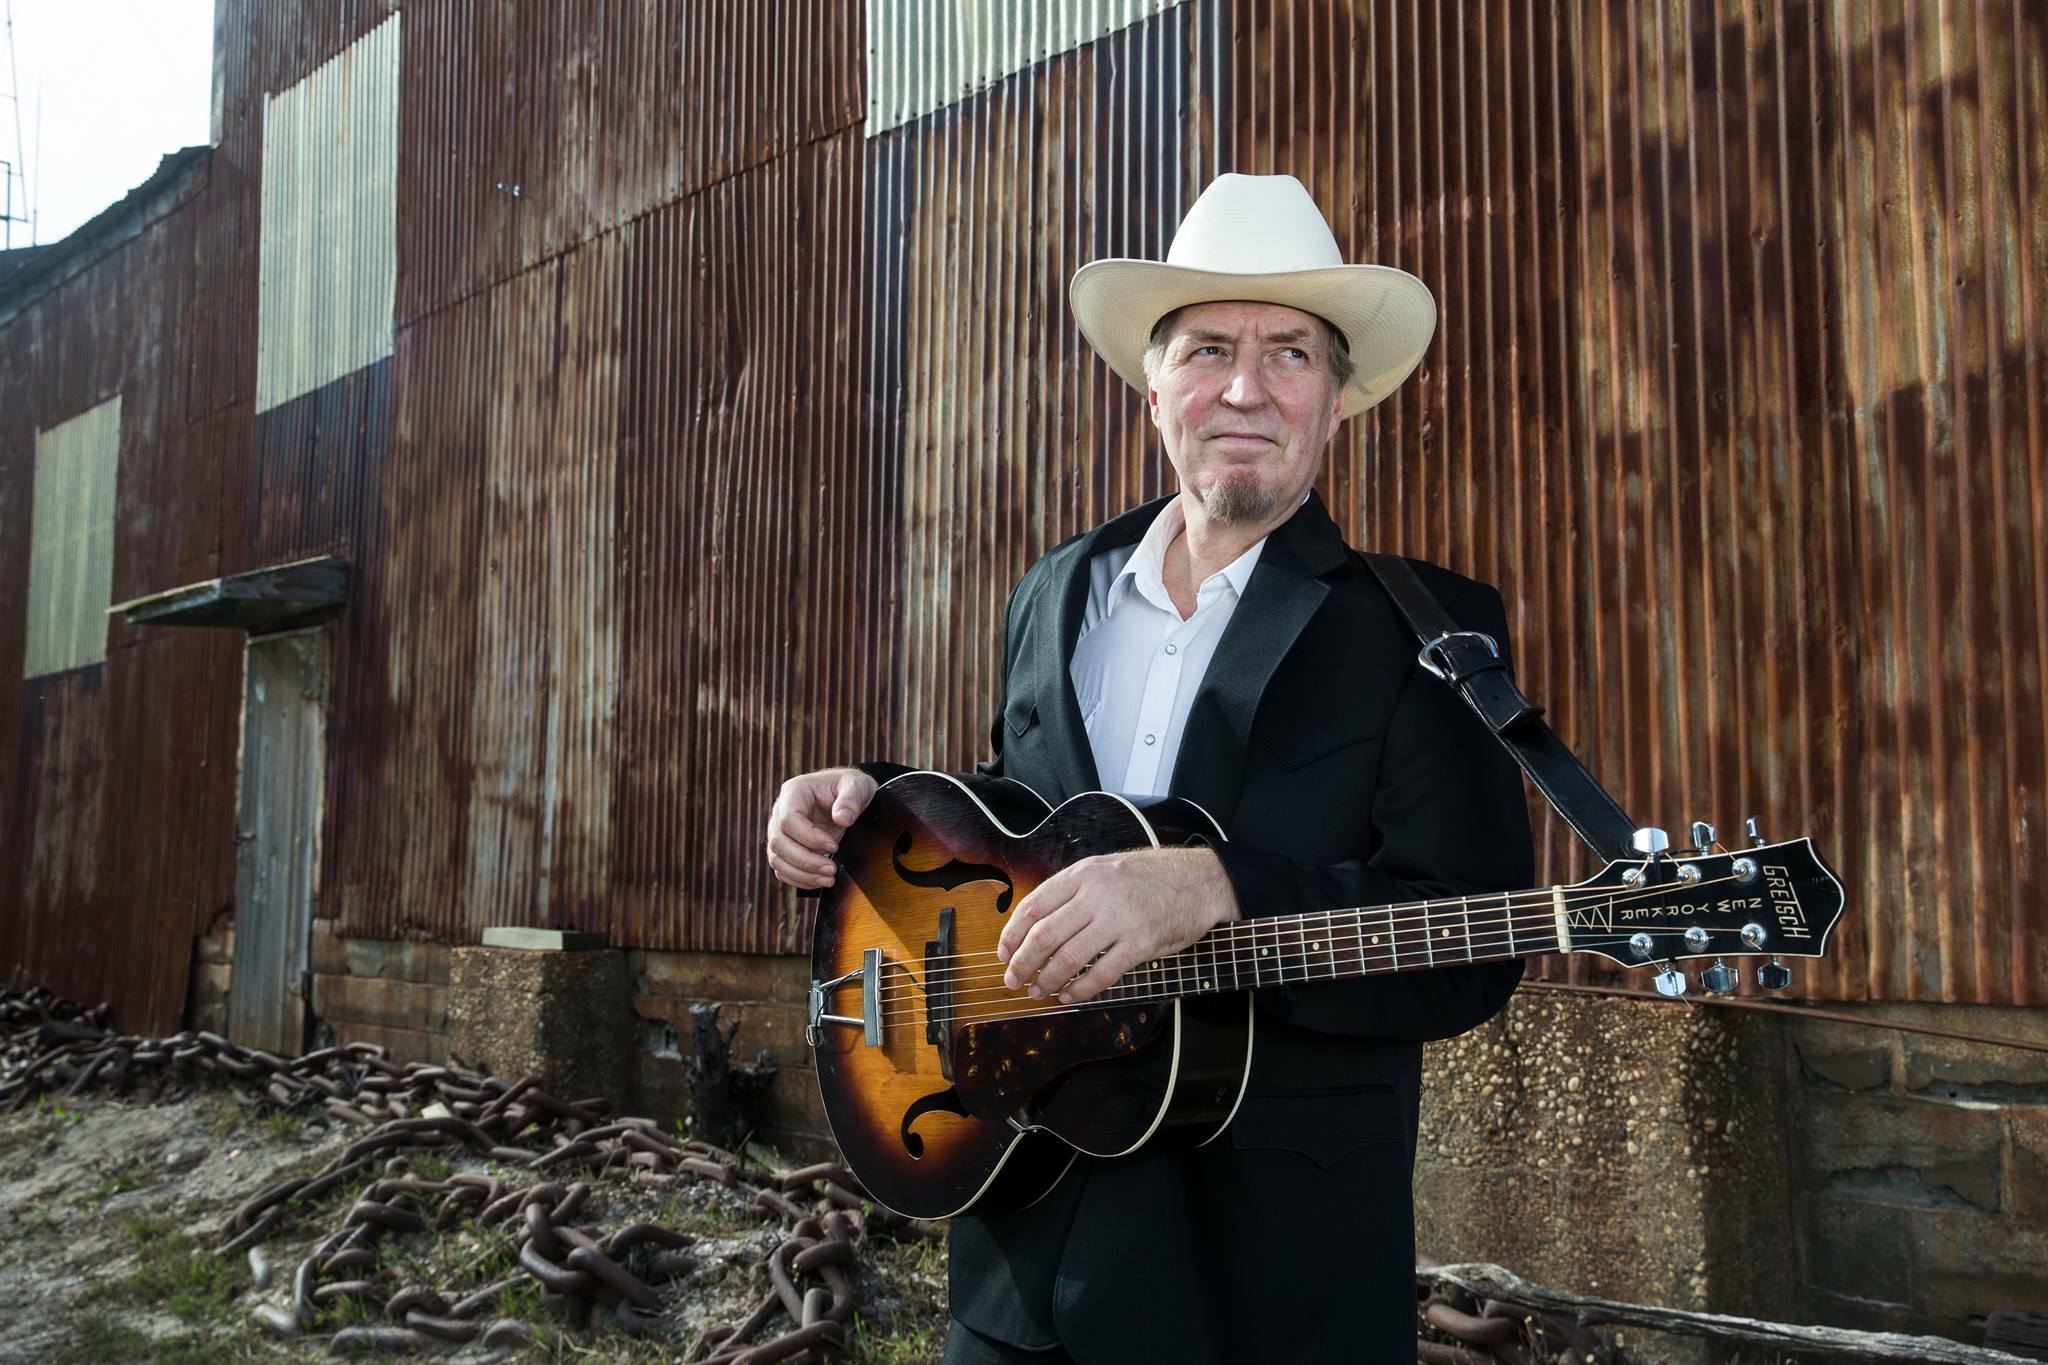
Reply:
x=1150, y=738
x=1170, y=649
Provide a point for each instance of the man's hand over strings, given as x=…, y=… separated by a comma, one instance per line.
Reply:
x=1109, y=913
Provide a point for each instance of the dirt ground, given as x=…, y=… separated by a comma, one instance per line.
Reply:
x=110, y=1210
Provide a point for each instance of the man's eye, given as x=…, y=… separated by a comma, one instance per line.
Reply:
x=1295, y=353
x=1208, y=350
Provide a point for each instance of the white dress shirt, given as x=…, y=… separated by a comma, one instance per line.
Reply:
x=1137, y=665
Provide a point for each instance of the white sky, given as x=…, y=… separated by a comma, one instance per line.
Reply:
x=121, y=81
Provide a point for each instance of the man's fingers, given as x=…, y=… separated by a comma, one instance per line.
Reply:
x=1047, y=937
x=855, y=789
x=799, y=858
x=1048, y=896
x=1101, y=975
x=1067, y=962
x=805, y=831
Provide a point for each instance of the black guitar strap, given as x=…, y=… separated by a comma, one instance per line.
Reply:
x=1471, y=662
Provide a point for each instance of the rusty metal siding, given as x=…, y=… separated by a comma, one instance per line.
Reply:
x=558, y=121
x=1736, y=392
x=712, y=454
x=111, y=821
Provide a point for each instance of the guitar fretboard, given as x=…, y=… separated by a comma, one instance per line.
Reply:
x=1365, y=941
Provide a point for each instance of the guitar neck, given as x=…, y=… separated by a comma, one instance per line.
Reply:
x=1375, y=940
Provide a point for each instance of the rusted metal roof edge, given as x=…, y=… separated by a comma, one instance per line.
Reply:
x=176, y=179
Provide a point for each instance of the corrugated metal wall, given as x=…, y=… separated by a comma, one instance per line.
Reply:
x=731, y=387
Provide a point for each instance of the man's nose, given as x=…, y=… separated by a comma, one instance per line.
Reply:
x=1247, y=387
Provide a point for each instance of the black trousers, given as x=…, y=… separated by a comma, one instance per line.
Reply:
x=965, y=1347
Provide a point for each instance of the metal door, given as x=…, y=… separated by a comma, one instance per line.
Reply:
x=277, y=834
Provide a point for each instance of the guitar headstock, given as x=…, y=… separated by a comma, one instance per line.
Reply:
x=1773, y=900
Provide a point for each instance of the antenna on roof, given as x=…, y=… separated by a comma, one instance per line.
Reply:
x=16, y=169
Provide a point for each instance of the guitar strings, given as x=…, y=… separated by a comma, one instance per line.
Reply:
x=1484, y=946
x=1407, y=935
x=1234, y=939
x=1051, y=1005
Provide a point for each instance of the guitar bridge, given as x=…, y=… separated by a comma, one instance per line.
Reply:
x=869, y=1021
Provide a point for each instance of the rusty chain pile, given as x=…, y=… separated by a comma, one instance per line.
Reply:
x=1496, y=1333
x=582, y=1272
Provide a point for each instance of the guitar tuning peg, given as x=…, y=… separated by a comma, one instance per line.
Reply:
x=1702, y=836
x=1774, y=975
x=1749, y=828
x=1719, y=978
x=1670, y=981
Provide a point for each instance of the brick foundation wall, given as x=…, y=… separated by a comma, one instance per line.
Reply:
x=766, y=996
x=1745, y=1162
x=1922, y=1197
x=388, y=991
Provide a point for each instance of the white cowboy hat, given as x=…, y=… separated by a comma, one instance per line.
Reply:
x=1260, y=238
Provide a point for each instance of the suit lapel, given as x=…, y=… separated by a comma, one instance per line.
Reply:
x=1285, y=589
x=1045, y=652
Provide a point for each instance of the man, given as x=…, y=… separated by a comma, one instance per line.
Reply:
x=1224, y=644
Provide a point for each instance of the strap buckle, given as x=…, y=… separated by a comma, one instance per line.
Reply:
x=1446, y=672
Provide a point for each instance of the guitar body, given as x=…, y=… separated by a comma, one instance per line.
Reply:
x=973, y=1096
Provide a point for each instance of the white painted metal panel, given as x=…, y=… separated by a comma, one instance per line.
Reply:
x=328, y=258
x=71, y=541
x=926, y=54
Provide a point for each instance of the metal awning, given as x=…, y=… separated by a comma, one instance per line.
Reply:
x=260, y=600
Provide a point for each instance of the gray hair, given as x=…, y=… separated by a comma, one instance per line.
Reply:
x=1341, y=366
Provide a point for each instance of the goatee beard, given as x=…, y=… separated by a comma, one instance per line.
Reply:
x=1237, y=502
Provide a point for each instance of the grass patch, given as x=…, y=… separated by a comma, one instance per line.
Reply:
x=282, y=1125
x=430, y=1165
x=120, y=1182
x=347, y=1311
x=175, y=1273
x=522, y=1300
x=896, y=1342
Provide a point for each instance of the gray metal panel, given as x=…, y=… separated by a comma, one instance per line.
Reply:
x=278, y=836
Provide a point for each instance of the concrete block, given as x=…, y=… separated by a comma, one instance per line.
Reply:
x=1843, y=1055
x=794, y=1104
x=563, y=1015
x=367, y=957
x=1965, y=1263
x=217, y=948
x=1955, y=1068
x=1866, y=1250
x=2024, y=1186
x=212, y=984
x=326, y=950
x=550, y=940
x=413, y=1006
x=1859, y=1140
x=708, y=976
x=779, y=1028
x=401, y=1045
x=1617, y=1147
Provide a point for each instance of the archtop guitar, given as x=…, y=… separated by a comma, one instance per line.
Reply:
x=948, y=1091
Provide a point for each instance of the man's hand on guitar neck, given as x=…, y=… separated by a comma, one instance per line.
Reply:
x=811, y=812
x=1113, y=911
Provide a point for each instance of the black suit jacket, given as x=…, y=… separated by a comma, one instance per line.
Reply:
x=1344, y=775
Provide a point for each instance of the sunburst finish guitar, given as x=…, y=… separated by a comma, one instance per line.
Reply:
x=947, y=1091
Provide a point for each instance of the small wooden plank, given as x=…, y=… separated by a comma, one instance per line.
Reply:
x=1494, y=1282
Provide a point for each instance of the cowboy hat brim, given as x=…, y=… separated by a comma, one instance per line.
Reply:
x=1386, y=315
